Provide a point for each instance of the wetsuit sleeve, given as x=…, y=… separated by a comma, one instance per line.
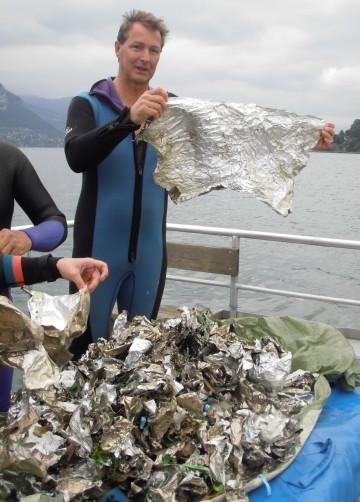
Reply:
x=47, y=235
x=50, y=227
x=86, y=145
x=19, y=270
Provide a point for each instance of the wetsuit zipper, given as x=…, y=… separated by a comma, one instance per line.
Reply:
x=139, y=162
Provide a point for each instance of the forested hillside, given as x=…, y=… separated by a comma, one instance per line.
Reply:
x=22, y=127
x=348, y=141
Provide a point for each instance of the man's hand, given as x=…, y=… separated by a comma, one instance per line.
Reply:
x=83, y=271
x=14, y=242
x=326, y=136
x=150, y=104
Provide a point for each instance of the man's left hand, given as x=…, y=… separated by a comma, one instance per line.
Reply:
x=326, y=136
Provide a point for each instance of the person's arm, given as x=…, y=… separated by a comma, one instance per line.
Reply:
x=47, y=235
x=20, y=271
x=43, y=237
x=87, y=145
x=20, y=183
x=50, y=227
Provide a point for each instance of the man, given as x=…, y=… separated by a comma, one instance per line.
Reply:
x=20, y=183
x=121, y=213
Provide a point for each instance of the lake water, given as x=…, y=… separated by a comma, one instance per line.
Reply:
x=326, y=204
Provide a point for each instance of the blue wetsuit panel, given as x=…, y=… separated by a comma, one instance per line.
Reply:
x=121, y=190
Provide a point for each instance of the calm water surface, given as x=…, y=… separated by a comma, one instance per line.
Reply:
x=326, y=204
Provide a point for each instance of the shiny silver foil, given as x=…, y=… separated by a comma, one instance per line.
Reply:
x=62, y=317
x=39, y=345
x=206, y=145
x=165, y=411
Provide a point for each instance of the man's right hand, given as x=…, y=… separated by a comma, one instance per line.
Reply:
x=150, y=104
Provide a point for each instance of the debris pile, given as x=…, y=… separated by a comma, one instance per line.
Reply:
x=166, y=411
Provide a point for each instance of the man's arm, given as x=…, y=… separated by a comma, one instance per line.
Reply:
x=86, y=145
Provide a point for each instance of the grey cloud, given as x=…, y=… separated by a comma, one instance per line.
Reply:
x=294, y=56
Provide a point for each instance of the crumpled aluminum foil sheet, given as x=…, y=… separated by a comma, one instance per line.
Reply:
x=165, y=411
x=39, y=345
x=206, y=145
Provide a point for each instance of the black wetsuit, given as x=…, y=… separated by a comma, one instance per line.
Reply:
x=21, y=271
x=20, y=182
x=121, y=214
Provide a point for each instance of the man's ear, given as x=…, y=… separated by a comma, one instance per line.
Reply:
x=117, y=48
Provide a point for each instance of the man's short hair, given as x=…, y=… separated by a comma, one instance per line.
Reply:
x=145, y=18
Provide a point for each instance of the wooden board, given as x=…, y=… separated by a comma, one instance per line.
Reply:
x=215, y=260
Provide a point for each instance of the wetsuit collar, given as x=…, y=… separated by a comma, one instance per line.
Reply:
x=106, y=88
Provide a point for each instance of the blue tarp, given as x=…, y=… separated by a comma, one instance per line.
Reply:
x=327, y=469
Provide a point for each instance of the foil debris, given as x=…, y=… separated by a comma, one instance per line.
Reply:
x=188, y=417
x=39, y=345
x=206, y=145
x=62, y=317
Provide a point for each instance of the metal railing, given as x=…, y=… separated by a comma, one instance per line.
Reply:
x=233, y=284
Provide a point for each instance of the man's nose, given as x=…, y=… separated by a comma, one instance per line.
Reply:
x=145, y=54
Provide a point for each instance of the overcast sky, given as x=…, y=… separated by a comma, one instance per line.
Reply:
x=301, y=56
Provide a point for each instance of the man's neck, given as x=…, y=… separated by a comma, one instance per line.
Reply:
x=129, y=93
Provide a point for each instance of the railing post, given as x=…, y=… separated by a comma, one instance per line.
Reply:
x=234, y=279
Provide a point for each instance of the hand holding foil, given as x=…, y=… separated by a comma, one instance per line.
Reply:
x=205, y=145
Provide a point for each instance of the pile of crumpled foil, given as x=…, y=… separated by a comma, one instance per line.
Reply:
x=166, y=411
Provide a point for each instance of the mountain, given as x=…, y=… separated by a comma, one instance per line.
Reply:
x=21, y=126
x=53, y=111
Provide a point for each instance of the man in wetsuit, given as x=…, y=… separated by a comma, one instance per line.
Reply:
x=121, y=213
x=20, y=183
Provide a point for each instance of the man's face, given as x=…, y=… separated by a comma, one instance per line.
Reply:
x=139, y=54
